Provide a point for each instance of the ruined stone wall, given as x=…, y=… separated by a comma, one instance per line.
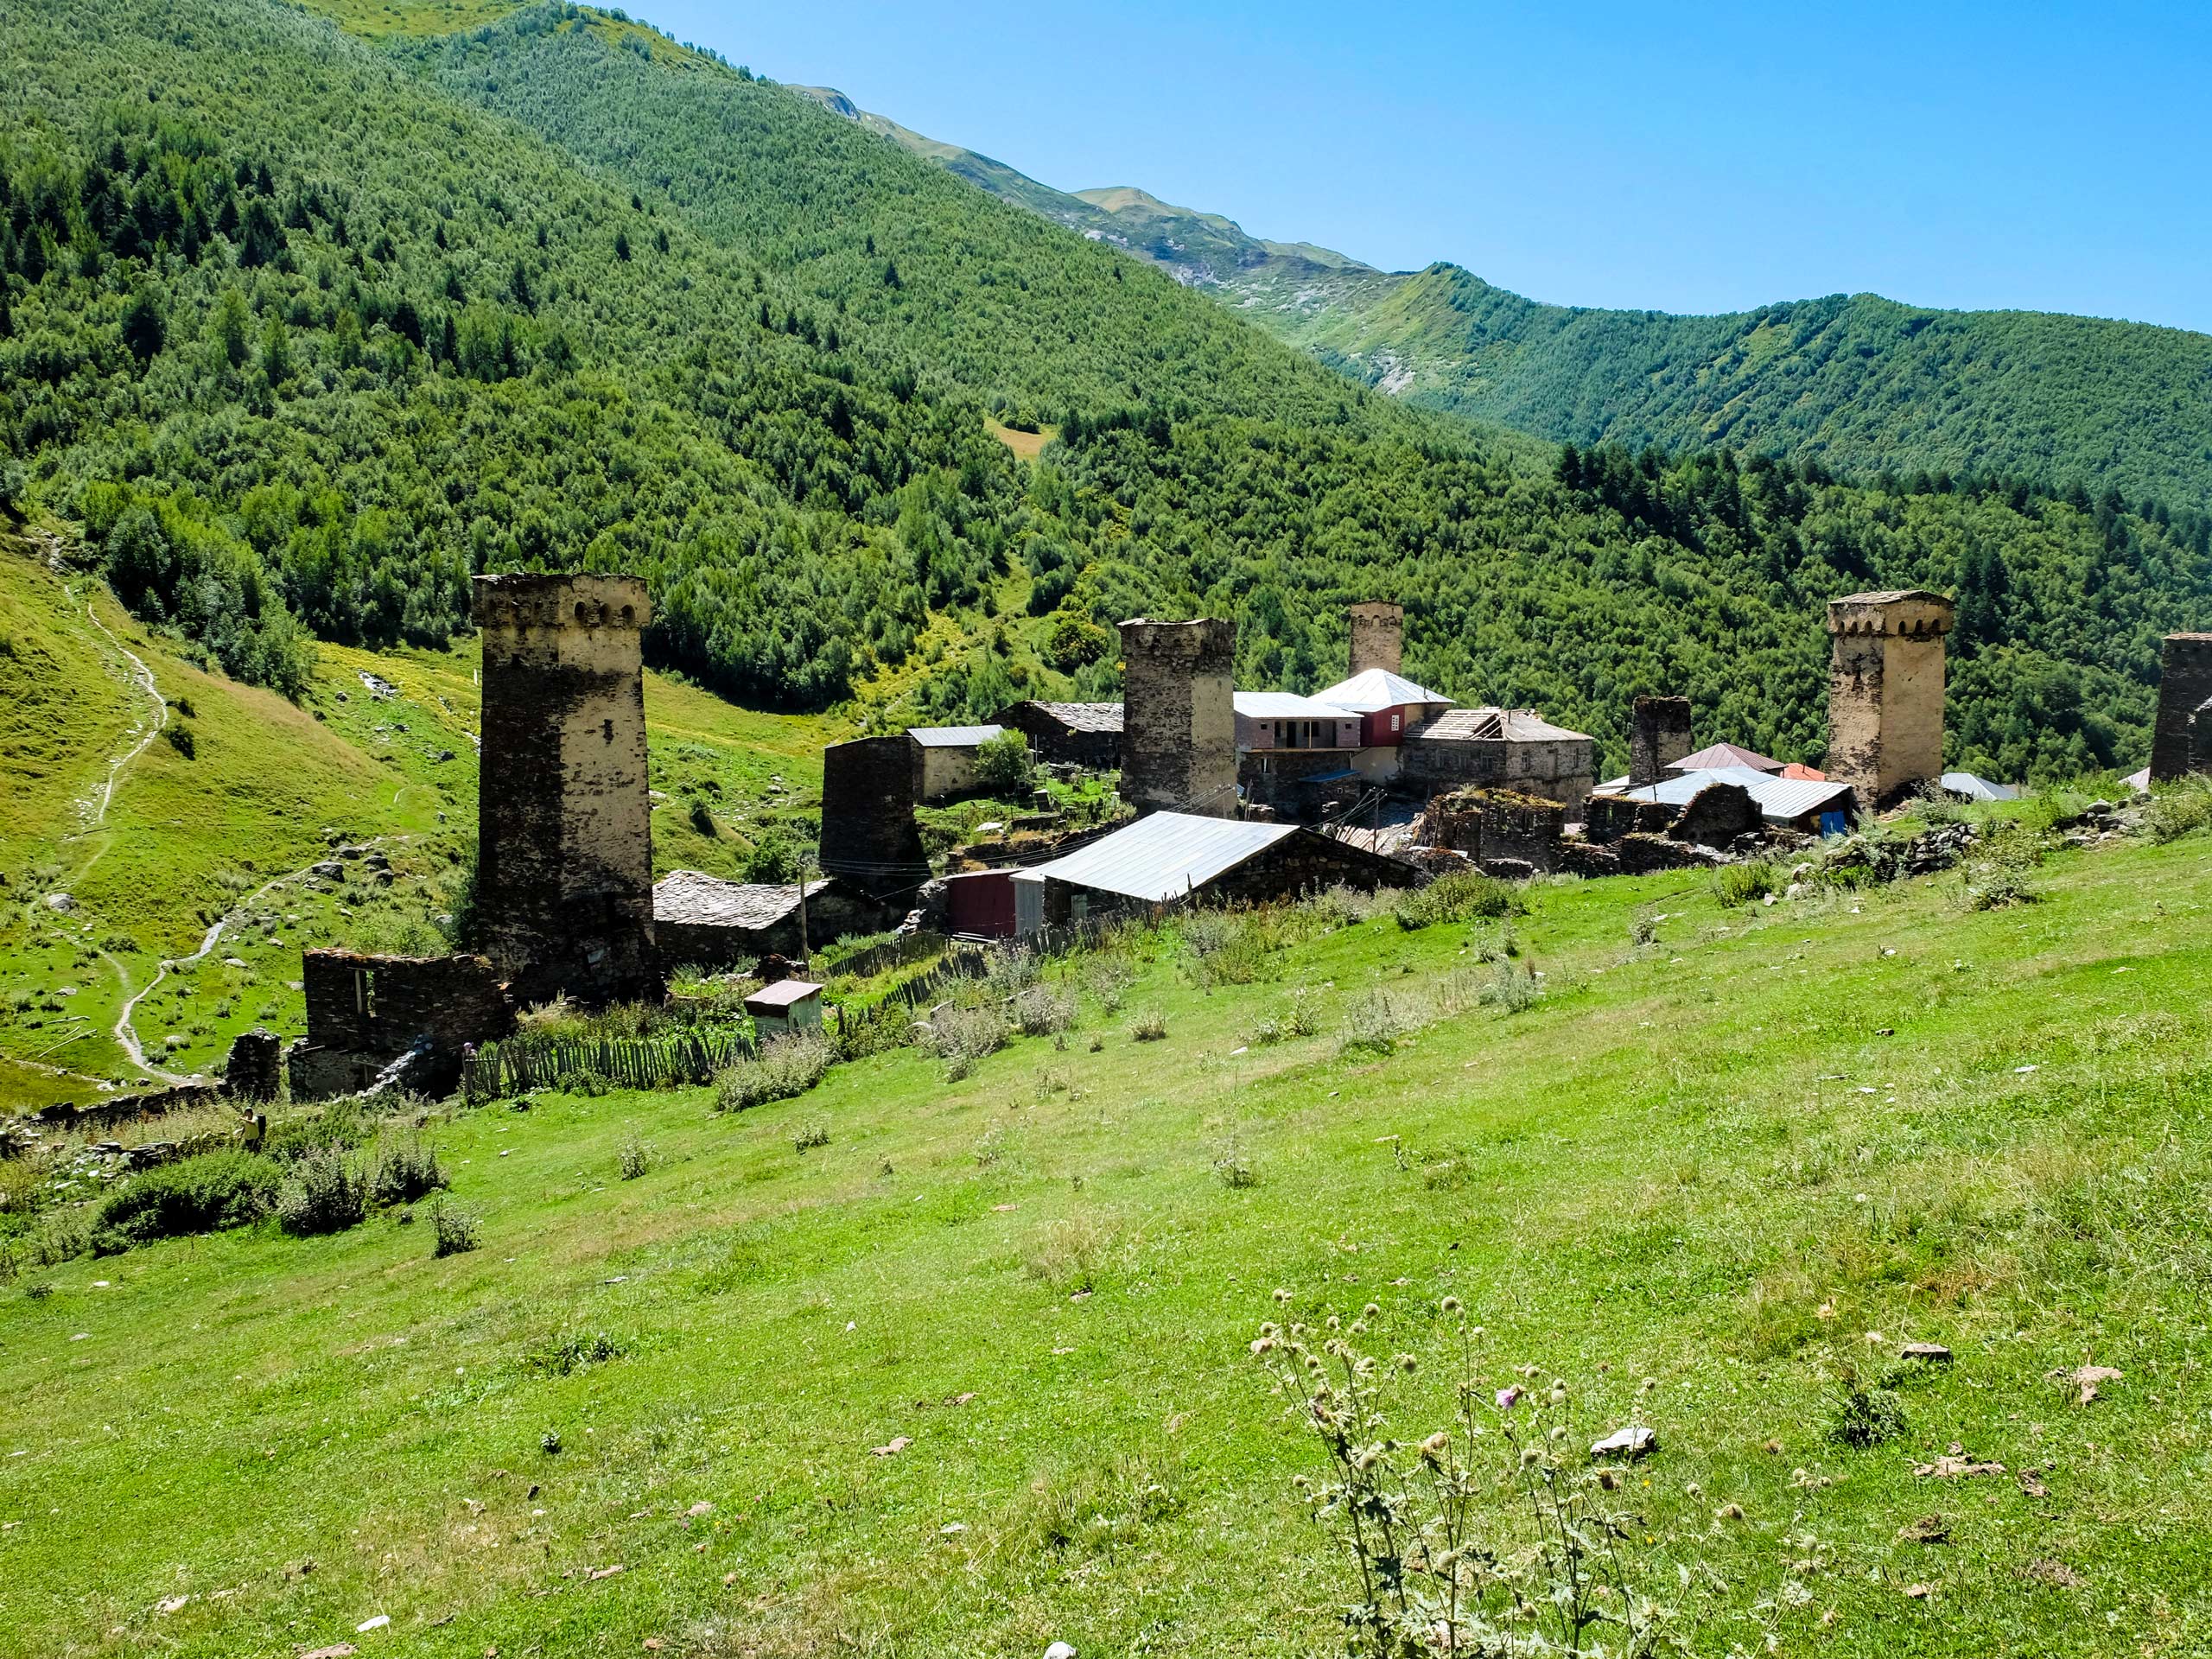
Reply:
x=1659, y=736
x=1051, y=740
x=1609, y=817
x=1563, y=770
x=2185, y=684
x=564, y=815
x=868, y=835
x=364, y=1012
x=1886, y=692
x=1178, y=720
x=1717, y=815
x=1378, y=636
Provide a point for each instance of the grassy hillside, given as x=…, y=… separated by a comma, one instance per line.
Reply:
x=1746, y=1157
x=222, y=823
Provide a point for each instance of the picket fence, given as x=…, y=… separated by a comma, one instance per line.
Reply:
x=498, y=1069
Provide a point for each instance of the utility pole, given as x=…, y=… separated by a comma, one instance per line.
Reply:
x=805, y=945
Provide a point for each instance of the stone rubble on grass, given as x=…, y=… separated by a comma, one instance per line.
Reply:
x=1632, y=1442
x=1935, y=1353
x=894, y=1447
x=2085, y=1379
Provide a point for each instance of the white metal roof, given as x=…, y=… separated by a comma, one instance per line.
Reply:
x=1164, y=855
x=1979, y=788
x=1288, y=705
x=953, y=737
x=1778, y=798
x=1376, y=688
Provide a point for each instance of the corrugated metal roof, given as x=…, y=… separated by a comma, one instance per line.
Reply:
x=953, y=737
x=1778, y=798
x=1288, y=705
x=1164, y=855
x=1376, y=688
x=1718, y=756
x=1979, y=788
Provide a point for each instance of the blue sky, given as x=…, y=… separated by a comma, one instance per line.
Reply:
x=1689, y=158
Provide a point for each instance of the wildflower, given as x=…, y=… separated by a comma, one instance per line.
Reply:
x=1437, y=1444
x=1559, y=1434
x=1312, y=1362
x=1300, y=1482
x=1694, y=1489
x=1647, y=1385
x=1263, y=1344
x=1335, y=1324
x=1508, y=1398
x=1558, y=1396
x=1359, y=1327
x=1406, y=1362
x=1368, y=1458
x=1451, y=1304
x=1530, y=1457
x=1729, y=1512
x=1282, y=1295
x=1370, y=1312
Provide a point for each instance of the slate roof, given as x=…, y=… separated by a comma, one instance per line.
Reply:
x=1712, y=759
x=693, y=899
x=1164, y=855
x=1979, y=788
x=1376, y=688
x=953, y=737
x=1084, y=717
x=1493, y=725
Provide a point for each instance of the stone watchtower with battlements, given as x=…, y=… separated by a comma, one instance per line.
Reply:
x=1178, y=716
x=1886, y=692
x=1378, y=636
x=564, y=872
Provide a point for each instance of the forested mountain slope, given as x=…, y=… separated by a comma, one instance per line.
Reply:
x=1862, y=384
x=304, y=330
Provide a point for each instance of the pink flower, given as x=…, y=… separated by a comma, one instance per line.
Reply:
x=1508, y=1398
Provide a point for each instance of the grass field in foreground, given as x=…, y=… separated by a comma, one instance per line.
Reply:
x=1723, y=1160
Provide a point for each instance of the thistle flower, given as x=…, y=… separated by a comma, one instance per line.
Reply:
x=1451, y=1304
x=1263, y=1344
x=1558, y=1396
x=1508, y=1398
x=1370, y=1312
x=1407, y=1363
x=1437, y=1444
x=1335, y=1324
x=1282, y=1295
x=1530, y=1457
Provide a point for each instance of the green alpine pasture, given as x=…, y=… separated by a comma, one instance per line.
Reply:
x=918, y=1366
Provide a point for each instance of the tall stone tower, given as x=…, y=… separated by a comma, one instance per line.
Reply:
x=564, y=848
x=2184, y=683
x=1659, y=736
x=1886, y=692
x=870, y=838
x=1378, y=636
x=1178, y=718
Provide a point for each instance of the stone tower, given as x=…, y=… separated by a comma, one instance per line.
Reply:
x=1659, y=736
x=2184, y=683
x=564, y=872
x=1178, y=720
x=1886, y=692
x=869, y=839
x=1378, y=636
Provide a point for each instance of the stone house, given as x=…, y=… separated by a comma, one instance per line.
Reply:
x=1086, y=734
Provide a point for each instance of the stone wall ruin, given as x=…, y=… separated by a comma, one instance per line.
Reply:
x=2185, y=686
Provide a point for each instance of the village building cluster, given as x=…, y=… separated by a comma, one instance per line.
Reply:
x=1229, y=796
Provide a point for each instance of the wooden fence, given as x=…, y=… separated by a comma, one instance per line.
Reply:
x=520, y=1064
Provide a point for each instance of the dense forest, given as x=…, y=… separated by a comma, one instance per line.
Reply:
x=1861, y=383
x=304, y=331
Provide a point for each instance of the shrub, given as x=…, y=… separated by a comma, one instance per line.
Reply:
x=784, y=1066
x=1373, y=1027
x=201, y=1194
x=1231, y=1166
x=1151, y=1026
x=962, y=1037
x=1748, y=882
x=2181, y=808
x=1462, y=896
x=1511, y=990
x=810, y=1137
x=635, y=1156
x=1861, y=1418
x=1042, y=1012
x=453, y=1231
x=338, y=1124
x=403, y=1171
x=326, y=1192
x=1002, y=763
x=570, y=1352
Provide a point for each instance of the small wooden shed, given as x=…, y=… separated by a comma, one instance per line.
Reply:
x=786, y=1006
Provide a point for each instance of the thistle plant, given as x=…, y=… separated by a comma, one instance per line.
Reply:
x=1492, y=1537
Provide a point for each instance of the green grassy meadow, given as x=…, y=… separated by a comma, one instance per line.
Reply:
x=1748, y=1159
